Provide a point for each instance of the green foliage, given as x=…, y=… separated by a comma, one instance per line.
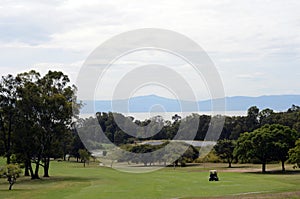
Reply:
x=270, y=142
x=252, y=118
x=284, y=140
x=35, y=116
x=233, y=126
x=210, y=157
x=84, y=156
x=11, y=172
x=176, y=153
x=294, y=154
x=224, y=149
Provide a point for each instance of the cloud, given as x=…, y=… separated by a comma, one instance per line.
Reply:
x=254, y=76
x=72, y=69
x=231, y=26
x=241, y=37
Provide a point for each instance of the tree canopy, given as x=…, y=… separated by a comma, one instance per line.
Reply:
x=35, y=117
x=270, y=142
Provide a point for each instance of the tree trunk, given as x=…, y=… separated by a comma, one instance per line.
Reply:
x=8, y=157
x=8, y=154
x=264, y=167
x=29, y=166
x=26, y=173
x=11, y=181
x=36, y=172
x=282, y=165
x=229, y=162
x=46, y=167
x=10, y=186
x=46, y=172
x=31, y=170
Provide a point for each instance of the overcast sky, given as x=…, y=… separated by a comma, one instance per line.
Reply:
x=255, y=45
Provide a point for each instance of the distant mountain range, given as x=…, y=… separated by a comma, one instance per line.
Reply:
x=155, y=103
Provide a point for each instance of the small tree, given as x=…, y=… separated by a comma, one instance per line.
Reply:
x=84, y=156
x=224, y=149
x=11, y=172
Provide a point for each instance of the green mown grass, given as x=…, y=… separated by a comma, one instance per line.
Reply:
x=71, y=180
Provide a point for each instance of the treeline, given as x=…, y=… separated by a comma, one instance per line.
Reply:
x=166, y=130
x=36, y=120
x=260, y=136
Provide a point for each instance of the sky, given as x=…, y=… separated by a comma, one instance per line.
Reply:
x=255, y=45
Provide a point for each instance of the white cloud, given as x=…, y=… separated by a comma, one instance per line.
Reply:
x=242, y=37
x=255, y=76
x=72, y=69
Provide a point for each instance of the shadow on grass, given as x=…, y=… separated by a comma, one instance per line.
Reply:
x=277, y=172
x=28, y=180
x=13, y=190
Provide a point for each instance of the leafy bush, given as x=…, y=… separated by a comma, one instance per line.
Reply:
x=11, y=172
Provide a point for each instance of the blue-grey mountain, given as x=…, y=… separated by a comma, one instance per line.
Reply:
x=155, y=103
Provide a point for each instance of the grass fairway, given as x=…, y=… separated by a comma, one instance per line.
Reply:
x=71, y=180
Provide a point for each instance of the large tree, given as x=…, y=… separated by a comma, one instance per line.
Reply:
x=28, y=131
x=257, y=144
x=270, y=142
x=38, y=110
x=55, y=113
x=8, y=99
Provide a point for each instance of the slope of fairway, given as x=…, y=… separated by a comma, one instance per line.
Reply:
x=71, y=180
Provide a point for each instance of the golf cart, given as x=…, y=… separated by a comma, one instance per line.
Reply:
x=213, y=175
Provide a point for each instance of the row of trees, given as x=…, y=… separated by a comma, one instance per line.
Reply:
x=277, y=132
x=268, y=143
x=233, y=126
x=35, y=119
